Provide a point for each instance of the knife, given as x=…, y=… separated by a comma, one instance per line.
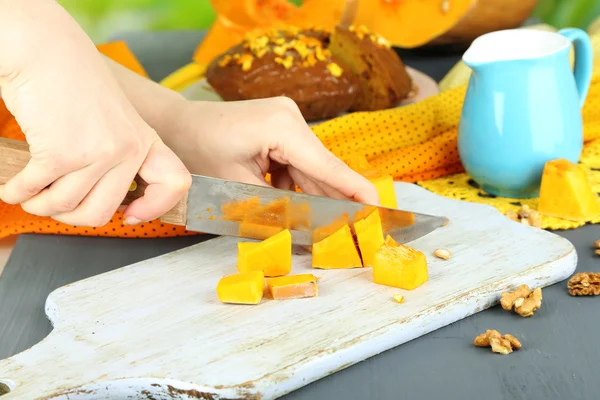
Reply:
x=222, y=207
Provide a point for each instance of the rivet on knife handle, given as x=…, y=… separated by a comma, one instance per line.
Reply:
x=14, y=156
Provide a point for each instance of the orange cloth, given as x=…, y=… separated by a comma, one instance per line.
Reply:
x=13, y=220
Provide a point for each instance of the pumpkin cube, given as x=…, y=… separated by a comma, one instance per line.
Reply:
x=258, y=231
x=566, y=193
x=336, y=251
x=369, y=235
x=293, y=287
x=272, y=256
x=242, y=288
x=399, y=266
x=384, y=183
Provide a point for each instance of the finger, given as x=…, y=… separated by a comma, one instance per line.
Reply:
x=29, y=182
x=101, y=203
x=168, y=181
x=306, y=184
x=281, y=179
x=306, y=153
x=328, y=191
x=64, y=194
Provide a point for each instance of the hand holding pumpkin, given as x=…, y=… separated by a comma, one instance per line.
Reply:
x=87, y=141
x=244, y=140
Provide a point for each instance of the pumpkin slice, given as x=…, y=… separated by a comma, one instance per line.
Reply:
x=383, y=183
x=486, y=16
x=399, y=266
x=242, y=288
x=412, y=23
x=336, y=251
x=565, y=192
x=293, y=287
x=272, y=256
x=369, y=235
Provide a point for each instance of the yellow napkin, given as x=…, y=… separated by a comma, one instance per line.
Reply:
x=417, y=143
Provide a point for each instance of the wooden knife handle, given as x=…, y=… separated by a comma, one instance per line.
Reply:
x=14, y=156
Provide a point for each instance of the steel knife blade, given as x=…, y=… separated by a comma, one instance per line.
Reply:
x=231, y=208
x=222, y=207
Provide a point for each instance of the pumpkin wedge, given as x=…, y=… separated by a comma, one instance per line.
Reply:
x=337, y=251
x=412, y=23
x=566, y=193
x=487, y=16
x=369, y=235
x=272, y=256
x=243, y=288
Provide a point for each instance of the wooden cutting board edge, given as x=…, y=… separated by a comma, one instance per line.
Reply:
x=287, y=379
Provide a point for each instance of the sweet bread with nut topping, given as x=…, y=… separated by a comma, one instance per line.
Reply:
x=288, y=62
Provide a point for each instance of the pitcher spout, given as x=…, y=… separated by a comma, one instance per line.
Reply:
x=512, y=45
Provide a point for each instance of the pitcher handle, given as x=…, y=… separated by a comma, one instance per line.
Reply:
x=583, y=60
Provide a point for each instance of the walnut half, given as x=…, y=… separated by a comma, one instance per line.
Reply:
x=502, y=344
x=584, y=284
x=523, y=300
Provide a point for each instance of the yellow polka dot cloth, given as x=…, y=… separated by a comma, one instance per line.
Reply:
x=418, y=143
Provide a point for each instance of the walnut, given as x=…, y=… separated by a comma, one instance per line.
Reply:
x=523, y=300
x=584, y=284
x=499, y=343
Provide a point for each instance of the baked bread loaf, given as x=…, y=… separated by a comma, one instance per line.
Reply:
x=290, y=62
x=384, y=81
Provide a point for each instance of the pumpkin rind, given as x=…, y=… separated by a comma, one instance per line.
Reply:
x=487, y=16
x=411, y=23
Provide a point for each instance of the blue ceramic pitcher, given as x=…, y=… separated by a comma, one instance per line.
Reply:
x=523, y=107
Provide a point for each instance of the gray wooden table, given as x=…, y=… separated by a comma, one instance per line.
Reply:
x=559, y=360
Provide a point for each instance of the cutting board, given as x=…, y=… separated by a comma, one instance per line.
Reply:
x=156, y=330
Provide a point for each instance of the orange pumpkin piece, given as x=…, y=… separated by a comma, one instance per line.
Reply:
x=565, y=192
x=242, y=288
x=293, y=287
x=399, y=266
x=258, y=231
x=336, y=251
x=411, y=23
x=272, y=256
x=120, y=52
x=328, y=230
x=369, y=235
x=384, y=183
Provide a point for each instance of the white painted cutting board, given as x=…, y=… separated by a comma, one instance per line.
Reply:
x=155, y=330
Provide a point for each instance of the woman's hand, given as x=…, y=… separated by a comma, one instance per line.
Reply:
x=87, y=141
x=242, y=141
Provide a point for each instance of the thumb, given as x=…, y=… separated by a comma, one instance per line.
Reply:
x=168, y=181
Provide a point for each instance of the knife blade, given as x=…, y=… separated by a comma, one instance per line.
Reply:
x=229, y=208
